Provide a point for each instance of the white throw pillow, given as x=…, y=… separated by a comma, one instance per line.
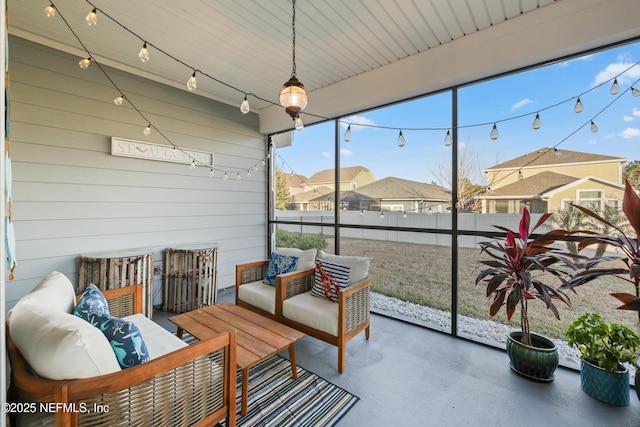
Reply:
x=306, y=258
x=54, y=290
x=359, y=265
x=59, y=345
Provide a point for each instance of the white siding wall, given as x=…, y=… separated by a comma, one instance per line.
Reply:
x=72, y=197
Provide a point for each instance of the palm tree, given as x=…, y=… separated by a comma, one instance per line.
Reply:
x=570, y=219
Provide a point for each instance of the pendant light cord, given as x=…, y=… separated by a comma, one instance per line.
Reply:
x=293, y=29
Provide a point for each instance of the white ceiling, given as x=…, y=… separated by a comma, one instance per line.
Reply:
x=350, y=54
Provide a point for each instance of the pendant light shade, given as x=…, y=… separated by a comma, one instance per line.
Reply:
x=293, y=96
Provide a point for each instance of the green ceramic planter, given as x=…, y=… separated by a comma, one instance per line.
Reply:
x=537, y=362
x=610, y=387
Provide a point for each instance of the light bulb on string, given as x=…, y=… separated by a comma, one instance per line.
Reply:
x=244, y=107
x=404, y=214
x=490, y=191
x=578, y=108
x=225, y=177
x=347, y=134
x=299, y=125
x=84, y=63
x=615, y=87
x=119, y=100
x=50, y=11
x=264, y=162
x=191, y=83
x=193, y=164
x=536, y=122
x=447, y=139
x=147, y=130
x=91, y=18
x=594, y=127
x=381, y=214
x=248, y=173
x=635, y=92
x=520, y=175
x=173, y=150
x=401, y=140
x=211, y=173
x=255, y=167
x=494, y=132
x=238, y=177
x=557, y=152
x=144, y=53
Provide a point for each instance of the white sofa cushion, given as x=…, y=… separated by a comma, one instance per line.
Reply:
x=317, y=313
x=306, y=258
x=259, y=295
x=159, y=341
x=359, y=265
x=54, y=290
x=58, y=345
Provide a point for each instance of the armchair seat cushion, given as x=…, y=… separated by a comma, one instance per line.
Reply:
x=259, y=294
x=159, y=341
x=317, y=313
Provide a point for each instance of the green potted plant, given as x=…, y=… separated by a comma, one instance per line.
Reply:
x=628, y=245
x=514, y=277
x=604, y=348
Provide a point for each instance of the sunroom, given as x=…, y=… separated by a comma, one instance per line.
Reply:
x=130, y=134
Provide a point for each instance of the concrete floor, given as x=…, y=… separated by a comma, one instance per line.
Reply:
x=407, y=375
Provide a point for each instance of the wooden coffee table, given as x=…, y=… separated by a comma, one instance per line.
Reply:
x=258, y=337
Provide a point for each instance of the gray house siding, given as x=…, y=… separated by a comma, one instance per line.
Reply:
x=72, y=197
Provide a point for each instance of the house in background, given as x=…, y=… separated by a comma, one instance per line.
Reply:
x=396, y=194
x=547, y=179
x=351, y=178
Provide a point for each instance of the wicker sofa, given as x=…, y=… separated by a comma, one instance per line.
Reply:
x=63, y=372
x=291, y=301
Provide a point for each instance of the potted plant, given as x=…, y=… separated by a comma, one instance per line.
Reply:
x=513, y=278
x=627, y=244
x=604, y=348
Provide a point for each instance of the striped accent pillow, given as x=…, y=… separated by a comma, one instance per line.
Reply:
x=329, y=278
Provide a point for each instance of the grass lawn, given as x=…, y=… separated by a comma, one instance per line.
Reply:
x=422, y=274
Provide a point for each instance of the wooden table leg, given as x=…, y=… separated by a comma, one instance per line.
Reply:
x=179, y=332
x=292, y=358
x=245, y=391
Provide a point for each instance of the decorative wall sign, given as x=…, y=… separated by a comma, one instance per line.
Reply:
x=164, y=153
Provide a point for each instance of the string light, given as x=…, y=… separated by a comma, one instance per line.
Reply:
x=192, y=166
x=144, y=53
x=248, y=173
x=50, y=11
x=191, y=83
x=578, y=108
x=490, y=191
x=147, y=130
x=447, y=139
x=225, y=176
x=92, y=18
x=520, y=175
x=84, y=63
x=244, y=107
x=238, y=177
x=298, y=123
x=494, y=132
x=635, y=92
x=536, y=122
x=557, y=152
x=211, y=173
x=401, y=140
x=347, y=134
x=615, y=87
x=594, y=127
x=119, y=100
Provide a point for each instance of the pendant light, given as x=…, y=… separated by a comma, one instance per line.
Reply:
x=293, y=97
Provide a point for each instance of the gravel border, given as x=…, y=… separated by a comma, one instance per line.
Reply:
x=487, y=330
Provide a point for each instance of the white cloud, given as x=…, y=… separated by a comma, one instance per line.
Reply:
x=592, y=142
x=627, y=118
x=521, y=104
x=355, y=121
x=612, y=70
x=630, y=133
x=636, y=112
x=326, y=155
x=346, y=153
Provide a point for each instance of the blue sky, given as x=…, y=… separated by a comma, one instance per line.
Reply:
x=424, y=158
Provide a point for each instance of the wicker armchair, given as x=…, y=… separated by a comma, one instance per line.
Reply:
x=194, y=385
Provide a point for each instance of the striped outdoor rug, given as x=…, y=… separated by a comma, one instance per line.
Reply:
x=276, y=399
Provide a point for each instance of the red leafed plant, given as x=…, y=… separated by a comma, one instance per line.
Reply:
x=511, y=278
x=626, y=243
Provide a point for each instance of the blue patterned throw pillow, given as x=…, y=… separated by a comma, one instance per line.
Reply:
x=124, y=337
x=90, y=303
x=329, y=278
x=279, y=264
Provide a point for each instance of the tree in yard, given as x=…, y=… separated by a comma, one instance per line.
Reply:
x=283, y=197
x=631, y=173
x=570, y=219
